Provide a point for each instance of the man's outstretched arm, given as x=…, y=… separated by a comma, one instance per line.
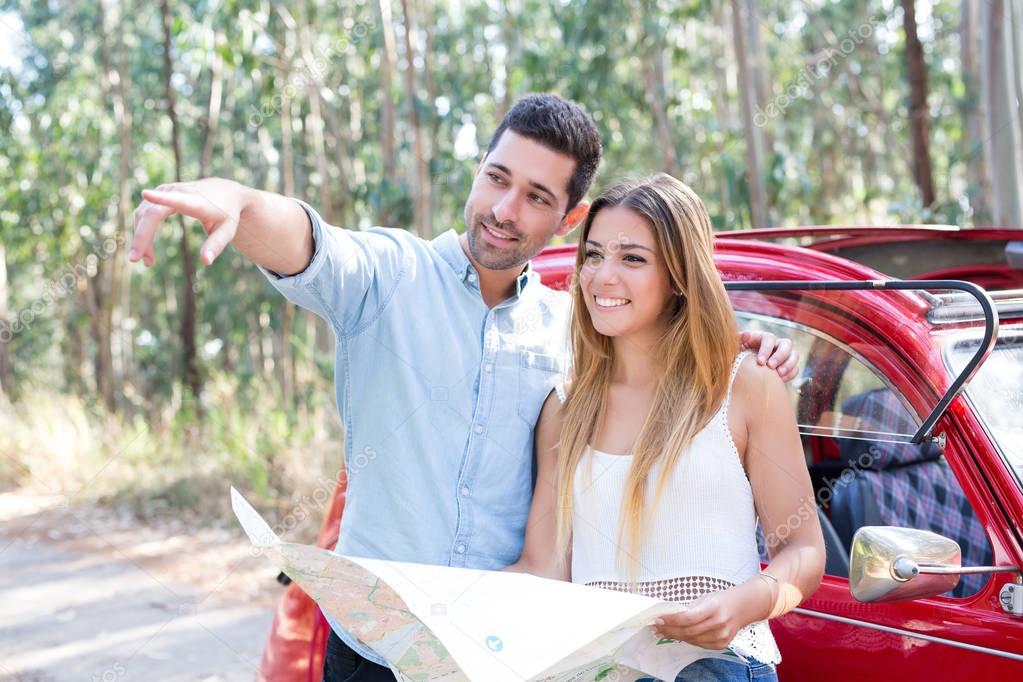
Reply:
x=270, y=230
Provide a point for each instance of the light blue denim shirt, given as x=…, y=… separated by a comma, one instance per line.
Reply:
x=437, y=392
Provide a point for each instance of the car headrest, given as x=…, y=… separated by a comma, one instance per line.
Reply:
x=1014, y=255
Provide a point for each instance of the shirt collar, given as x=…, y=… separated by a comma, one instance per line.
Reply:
x=450, y=249
x=528, y=276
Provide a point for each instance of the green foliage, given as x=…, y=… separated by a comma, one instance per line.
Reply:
x=838, y=152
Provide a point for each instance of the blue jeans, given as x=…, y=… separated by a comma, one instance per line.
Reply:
x=342, y=664
x=719, y=670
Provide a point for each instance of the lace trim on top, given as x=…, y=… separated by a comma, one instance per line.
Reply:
x=755, y=640
x=682, y=590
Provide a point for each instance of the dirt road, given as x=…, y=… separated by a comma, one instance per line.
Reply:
x=88, y=594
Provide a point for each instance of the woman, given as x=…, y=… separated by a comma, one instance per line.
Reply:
x=656, y=460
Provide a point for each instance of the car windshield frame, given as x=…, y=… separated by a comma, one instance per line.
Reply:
x=1010, y=338
x=960, y=379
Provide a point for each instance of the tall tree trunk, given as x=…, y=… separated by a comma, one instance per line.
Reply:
x=211, y=127
x=226, y=158
x=1003, y=89
x=340, y=150
x=104, y=286
x=314, y=127
x=103, y=363
x=287, y=146
x=257, y=345
x=432, y=121
x=830, y=193
x=977, y=152
x=758, y=66
x=510, y=38
x=758, y=69
x=420, y=174
x=654, y=73
x=919, y=116
x=117, y=303
x=282, y=356
x=212, y=123
x=319, y=145
x=5, y=330
x=760, y=76
x=820, y=209
x=719, y=58
x=427, y=133
x=190, y=367
x=388, y=65
x=74, y=362
x=754, y=135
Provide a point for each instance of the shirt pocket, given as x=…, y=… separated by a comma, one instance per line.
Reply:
x=538, y=374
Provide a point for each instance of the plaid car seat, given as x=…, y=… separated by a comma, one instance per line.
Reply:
x=900, y=484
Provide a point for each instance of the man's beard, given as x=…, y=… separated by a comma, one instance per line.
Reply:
x=514, y=255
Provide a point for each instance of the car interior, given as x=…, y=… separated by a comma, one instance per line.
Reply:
x=855, y=430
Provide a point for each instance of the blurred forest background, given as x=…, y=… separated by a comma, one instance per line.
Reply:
x=156, y=387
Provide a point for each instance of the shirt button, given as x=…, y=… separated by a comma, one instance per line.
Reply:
x=460, y=549
x=488, y=368
x=465, y=491
x=478, y=429
x=472, y=277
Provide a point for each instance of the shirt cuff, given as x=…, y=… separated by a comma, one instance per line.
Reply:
x=301, y=279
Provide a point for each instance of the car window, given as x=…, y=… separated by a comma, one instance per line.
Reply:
x=997, y=389
x=855, y=428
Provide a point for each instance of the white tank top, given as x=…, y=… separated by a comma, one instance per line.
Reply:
x=702, y=537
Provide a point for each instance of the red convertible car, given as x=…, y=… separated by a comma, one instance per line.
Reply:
x=910, y=406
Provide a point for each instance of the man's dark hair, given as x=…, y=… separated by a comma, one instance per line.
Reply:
x=561, y=126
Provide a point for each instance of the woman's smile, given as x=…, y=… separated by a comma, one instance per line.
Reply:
x=606, y=303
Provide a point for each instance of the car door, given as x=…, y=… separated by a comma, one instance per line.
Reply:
x=855, y=421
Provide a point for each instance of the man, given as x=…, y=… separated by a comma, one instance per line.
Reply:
x=446, y=349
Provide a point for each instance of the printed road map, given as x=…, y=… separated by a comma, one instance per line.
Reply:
x=454, y=624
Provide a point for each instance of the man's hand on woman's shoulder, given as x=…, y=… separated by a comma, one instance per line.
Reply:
x=778, y=354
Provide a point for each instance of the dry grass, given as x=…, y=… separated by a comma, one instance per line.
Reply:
x=176, y=465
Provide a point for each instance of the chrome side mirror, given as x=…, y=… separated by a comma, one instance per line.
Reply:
x=895, y=564
x=885, y=562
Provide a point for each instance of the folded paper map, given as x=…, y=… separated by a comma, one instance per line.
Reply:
x=453, y=624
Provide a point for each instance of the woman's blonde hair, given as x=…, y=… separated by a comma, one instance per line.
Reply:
x=693, y=357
